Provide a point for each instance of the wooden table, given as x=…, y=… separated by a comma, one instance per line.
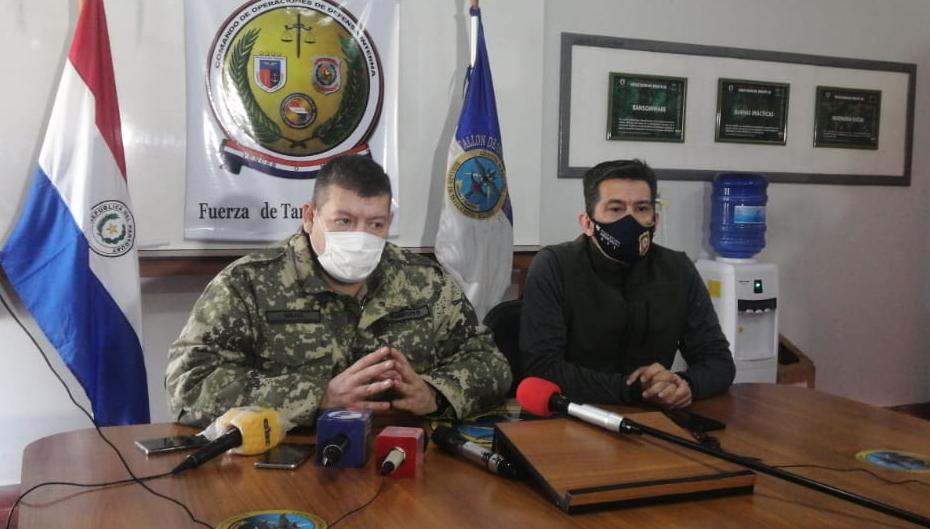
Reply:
x=780, y=424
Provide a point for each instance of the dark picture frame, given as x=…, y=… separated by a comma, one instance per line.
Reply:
x=903, y=73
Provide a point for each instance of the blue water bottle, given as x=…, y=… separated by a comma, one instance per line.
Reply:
x=737, y=225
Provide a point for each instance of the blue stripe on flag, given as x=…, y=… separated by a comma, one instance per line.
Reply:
x=46, y=259
x=479, y=108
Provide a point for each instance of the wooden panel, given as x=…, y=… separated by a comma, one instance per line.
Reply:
x=581, y=465
x=157, y=263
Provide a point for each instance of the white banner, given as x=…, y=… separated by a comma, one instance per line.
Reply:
x=275, y=88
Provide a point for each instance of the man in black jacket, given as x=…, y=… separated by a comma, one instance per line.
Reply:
x=603, y=315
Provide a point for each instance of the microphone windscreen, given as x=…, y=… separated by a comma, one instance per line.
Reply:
x=261, y=428
x=413, y=443
x=533, y=395
x=348, y=428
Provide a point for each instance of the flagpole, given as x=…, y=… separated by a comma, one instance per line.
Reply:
x=474, y=34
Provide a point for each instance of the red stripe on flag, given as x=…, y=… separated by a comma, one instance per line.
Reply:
x=90, y=55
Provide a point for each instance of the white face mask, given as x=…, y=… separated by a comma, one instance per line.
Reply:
x=350, y=256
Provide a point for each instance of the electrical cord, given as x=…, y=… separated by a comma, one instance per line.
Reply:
x=857, y=469
x=712, y=442
x=360, y=507
x=134, y=478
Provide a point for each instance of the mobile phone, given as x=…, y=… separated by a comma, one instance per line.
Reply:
x=164, y=445
x=286, y=456
x=693, y=422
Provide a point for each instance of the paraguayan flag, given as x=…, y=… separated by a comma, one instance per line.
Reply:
x=71, y=256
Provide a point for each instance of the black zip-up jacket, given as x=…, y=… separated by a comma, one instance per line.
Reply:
x=587, y=322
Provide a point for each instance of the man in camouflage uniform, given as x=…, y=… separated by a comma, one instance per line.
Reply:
x=278, y=329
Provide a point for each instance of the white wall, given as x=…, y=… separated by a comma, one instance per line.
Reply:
x=854, y=261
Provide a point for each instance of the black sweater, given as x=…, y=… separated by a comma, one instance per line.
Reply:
x=587, y=322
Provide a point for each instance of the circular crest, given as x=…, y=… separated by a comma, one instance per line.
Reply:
x=896, y=460
x=113, y=228
x=477, y=184
x=298, y=111
x=299, y=82
x=273, y=519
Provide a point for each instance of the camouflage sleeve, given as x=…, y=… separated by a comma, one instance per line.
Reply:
x=469, y=371
x=213, y=366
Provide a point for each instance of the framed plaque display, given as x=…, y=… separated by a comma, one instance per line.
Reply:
x=694, y=110
x=847, y=118
x=752, y=112
x=646, y=107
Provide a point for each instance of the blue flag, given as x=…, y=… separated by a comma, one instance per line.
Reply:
x=71, y=256
x=474, y=241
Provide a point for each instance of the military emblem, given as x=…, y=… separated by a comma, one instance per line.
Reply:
x=476, y=184
x=896, y=460
x=273, y=520
x=326, y=76
x=298, y=111
x=113, y=228
x=270, y=73
x=293, y=86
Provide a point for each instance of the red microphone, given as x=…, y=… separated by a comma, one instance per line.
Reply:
x=542, y=398
x=533, y=395
x=399, y=451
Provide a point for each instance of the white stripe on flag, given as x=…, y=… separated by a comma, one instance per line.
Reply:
x=70, y=159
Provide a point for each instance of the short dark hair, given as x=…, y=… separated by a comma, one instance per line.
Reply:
x=356, y=173
x=623, y=169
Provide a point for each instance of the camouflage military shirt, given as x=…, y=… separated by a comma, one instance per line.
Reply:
x=267, y=331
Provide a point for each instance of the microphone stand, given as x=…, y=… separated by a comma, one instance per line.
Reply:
x=634, y=427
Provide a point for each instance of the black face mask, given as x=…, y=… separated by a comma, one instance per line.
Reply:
x=625, y=240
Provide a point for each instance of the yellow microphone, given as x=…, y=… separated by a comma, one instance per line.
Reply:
x=248, y=431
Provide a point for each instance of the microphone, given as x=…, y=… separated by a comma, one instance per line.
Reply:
x=342, y=438
x=252, y=430
x=400, y=451
x=394, y=459
x=540, y=397
x=331, y=454
x=453, y=442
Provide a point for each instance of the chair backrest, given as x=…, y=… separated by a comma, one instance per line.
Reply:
x=504, y=322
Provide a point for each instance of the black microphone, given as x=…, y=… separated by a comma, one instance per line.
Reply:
x=541, y=397
x=250, y=429
x=230, y=439
x=332, y=451
x=453, y=442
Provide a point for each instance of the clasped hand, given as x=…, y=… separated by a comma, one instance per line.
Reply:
x=375, y=373
x=661, y=387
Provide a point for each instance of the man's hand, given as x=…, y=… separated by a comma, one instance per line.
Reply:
x=353, y=387
x=413, y=393
x=661, y=387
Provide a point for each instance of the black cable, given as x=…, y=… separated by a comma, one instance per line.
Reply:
x=99, y=432
x=362, y=506
x=759, y=466
x=74, y=484
x=858, y=469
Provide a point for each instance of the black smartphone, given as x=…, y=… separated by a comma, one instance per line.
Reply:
x=693, y=422
x=285, y=456
x=164, y=445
